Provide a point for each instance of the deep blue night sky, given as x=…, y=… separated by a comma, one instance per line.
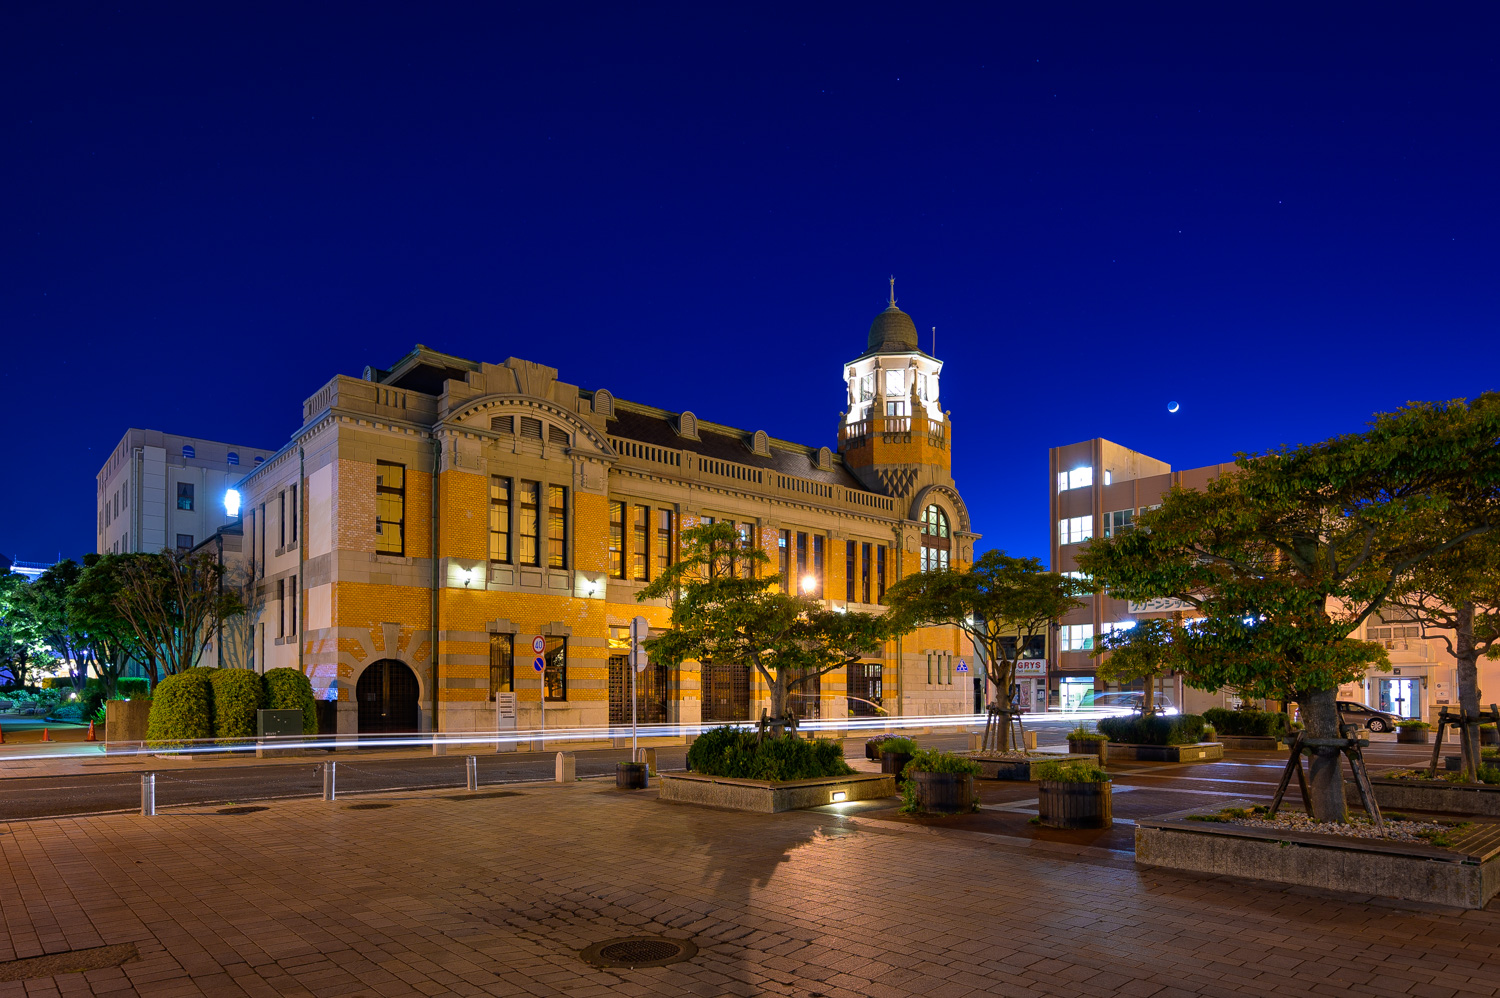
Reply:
x=1285, y=224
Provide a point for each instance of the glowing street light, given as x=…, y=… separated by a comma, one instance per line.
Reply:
x=232, y=502
x=809, y=583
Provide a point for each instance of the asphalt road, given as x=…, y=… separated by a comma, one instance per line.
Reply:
x=213, y=781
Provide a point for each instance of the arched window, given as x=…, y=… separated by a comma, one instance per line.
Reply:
x=234, y=457
x=259, y=459
x=935, y=540
x=187, y=451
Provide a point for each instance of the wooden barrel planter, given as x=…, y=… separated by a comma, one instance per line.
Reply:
x=1088, y=746
x=630, y=775
x=894, y=762
x=944, y=793
x=1489, y=736
x=1074, y=805
x=1412, y=736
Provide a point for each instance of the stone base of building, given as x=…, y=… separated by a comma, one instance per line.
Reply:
x=768, y=797
x=1196, y=752
x=1408, y=871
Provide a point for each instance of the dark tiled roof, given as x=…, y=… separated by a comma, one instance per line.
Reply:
x=658, y=430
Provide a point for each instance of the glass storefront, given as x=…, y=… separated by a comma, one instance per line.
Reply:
x=1401, y=697
x=1073, y=689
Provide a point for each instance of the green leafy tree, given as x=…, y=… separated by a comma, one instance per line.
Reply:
x=113, y=642
x=174, y=602
x=1457, y=595
x=1145, y=653
x=1291, y=552
x=22, y=647
x=1001, y=603
x=49, y=604
x=726, y=610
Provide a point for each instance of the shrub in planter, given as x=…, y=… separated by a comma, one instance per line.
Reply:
x=895, y=753
x=1157, y=729
x=182, y=710
x=1073, y=795
x=289, y=689
x=872, y=747
x=238, y=694
x=1412, y=731
x=1248, y=723
x=1489, y=735
x=741, y=754
x=1209, y=734
x=939, y=781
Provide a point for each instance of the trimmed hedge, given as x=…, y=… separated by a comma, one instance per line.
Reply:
x=1071, y=772
x=183, y=708
x=1157, y=729
x=1247, y=722
x=289, y=689
x=238, y=694
x=938, y=761
x=740, y=754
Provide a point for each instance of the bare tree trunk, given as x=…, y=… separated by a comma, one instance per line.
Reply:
x=1468, y=684
x=1148, y=697
x=1325, y=777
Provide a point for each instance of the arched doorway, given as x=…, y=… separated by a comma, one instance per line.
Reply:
x=387, y=696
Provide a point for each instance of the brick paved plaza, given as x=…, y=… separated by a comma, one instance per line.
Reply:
x=442, y=894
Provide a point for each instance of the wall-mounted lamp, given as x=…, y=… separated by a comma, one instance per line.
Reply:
x=232, y=502
x=809, y=583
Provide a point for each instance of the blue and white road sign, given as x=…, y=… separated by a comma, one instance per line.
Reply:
x=539, y=663
x=962, y=666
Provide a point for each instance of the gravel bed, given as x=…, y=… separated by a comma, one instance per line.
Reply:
x=1359, y=827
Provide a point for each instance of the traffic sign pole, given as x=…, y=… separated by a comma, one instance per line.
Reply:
x=638, y=630
x=539, y=645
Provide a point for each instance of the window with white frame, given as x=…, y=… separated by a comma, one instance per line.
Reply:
x=1075, y=529
x=1117, y=521
x=1112, y=627
x=1075, y=637
x=895, y=383
x=1078, y=478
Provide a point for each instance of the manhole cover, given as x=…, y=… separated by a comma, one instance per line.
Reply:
x=241, y=810
x=487, y=796
x=639, y=951
x=367, y=807
x=73, y=962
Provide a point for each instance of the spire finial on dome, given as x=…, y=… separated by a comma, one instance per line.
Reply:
x=892, y=302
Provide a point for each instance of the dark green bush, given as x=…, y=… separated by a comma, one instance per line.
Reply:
x=238, y=694
x=289, y=689
x=1082, y=734
x=740, y=754
x=1413, y=725
x=1247, y=722
x=899, y=744
x=1158, y=729
x=183, y=708
x=937, y=761
x=1071, y=772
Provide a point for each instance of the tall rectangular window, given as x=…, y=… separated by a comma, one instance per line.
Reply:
x=665, y=542
x=184, y=542
x=1078, y=478
x=1117, y=522
x=798, y=582
x=617, y=540
x=263, y=540
x=528, y=531
x=296, y=513
x=1075, y=529
x=291, y=592
x=783, y=560
x=185, y=495
x=556, y=675
x=390, y=508
x=851, y=556
x=557, y=526
x=281, y=520
x=1075, y=637
x=746, y=566
x=502, y=664
x=281, y=608
x=499, y=520
x=818, y=565
x=639, y=540
x=864, y=573
x=880, y=573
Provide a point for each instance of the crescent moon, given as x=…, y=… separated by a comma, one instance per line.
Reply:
x=1172, y=406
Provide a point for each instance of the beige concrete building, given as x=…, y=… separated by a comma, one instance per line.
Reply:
x=161, y=491
x=446, y=537
x=1099, y=487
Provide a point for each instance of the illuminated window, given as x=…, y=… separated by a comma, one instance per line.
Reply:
x=528, y=532
x=639, y=539
x=557, y=526
x=664, y=539
x=864, y=573
x=851, y=556
x=895, y=383
x=867, y=387
x=617, y=540
x=746, y=566
x=499, y=520
x=783, y=559
x=390, y=508
x=936, y=540
x=502, y=664
x=185, y=495
x=880, y=573
x=555, y=658
x=1078, y=478
x=1075, y=529
x=1075, y=637
x=817, y=566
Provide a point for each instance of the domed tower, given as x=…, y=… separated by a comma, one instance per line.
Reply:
x=894, y=435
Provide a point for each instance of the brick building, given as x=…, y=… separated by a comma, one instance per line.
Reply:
x=413, y=605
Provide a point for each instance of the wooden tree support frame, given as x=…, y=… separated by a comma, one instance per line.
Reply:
x=1461, y=722
x=1351, y=747
x=998, y=717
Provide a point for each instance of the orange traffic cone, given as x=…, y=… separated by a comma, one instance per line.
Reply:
x=91, y=737
x=46, y=737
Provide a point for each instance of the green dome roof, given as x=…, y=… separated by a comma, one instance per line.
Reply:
x=892, y=332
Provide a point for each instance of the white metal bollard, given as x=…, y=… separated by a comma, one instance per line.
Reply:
x=148, y=794
x=566, y=767
x=330, y=788
x=471, y=767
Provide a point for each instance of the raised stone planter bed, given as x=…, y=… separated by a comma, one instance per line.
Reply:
x=1021, y=769
x=1253, y=743
x=1196, y=752
x=1465, y=875
x=1432, y=795
x=769, y=797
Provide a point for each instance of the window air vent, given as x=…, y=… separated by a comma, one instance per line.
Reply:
x=557, y=435
x=531, y=428
x=503, y=424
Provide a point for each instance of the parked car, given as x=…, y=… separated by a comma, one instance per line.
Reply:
x=1128, y=700
x=1368, y=717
